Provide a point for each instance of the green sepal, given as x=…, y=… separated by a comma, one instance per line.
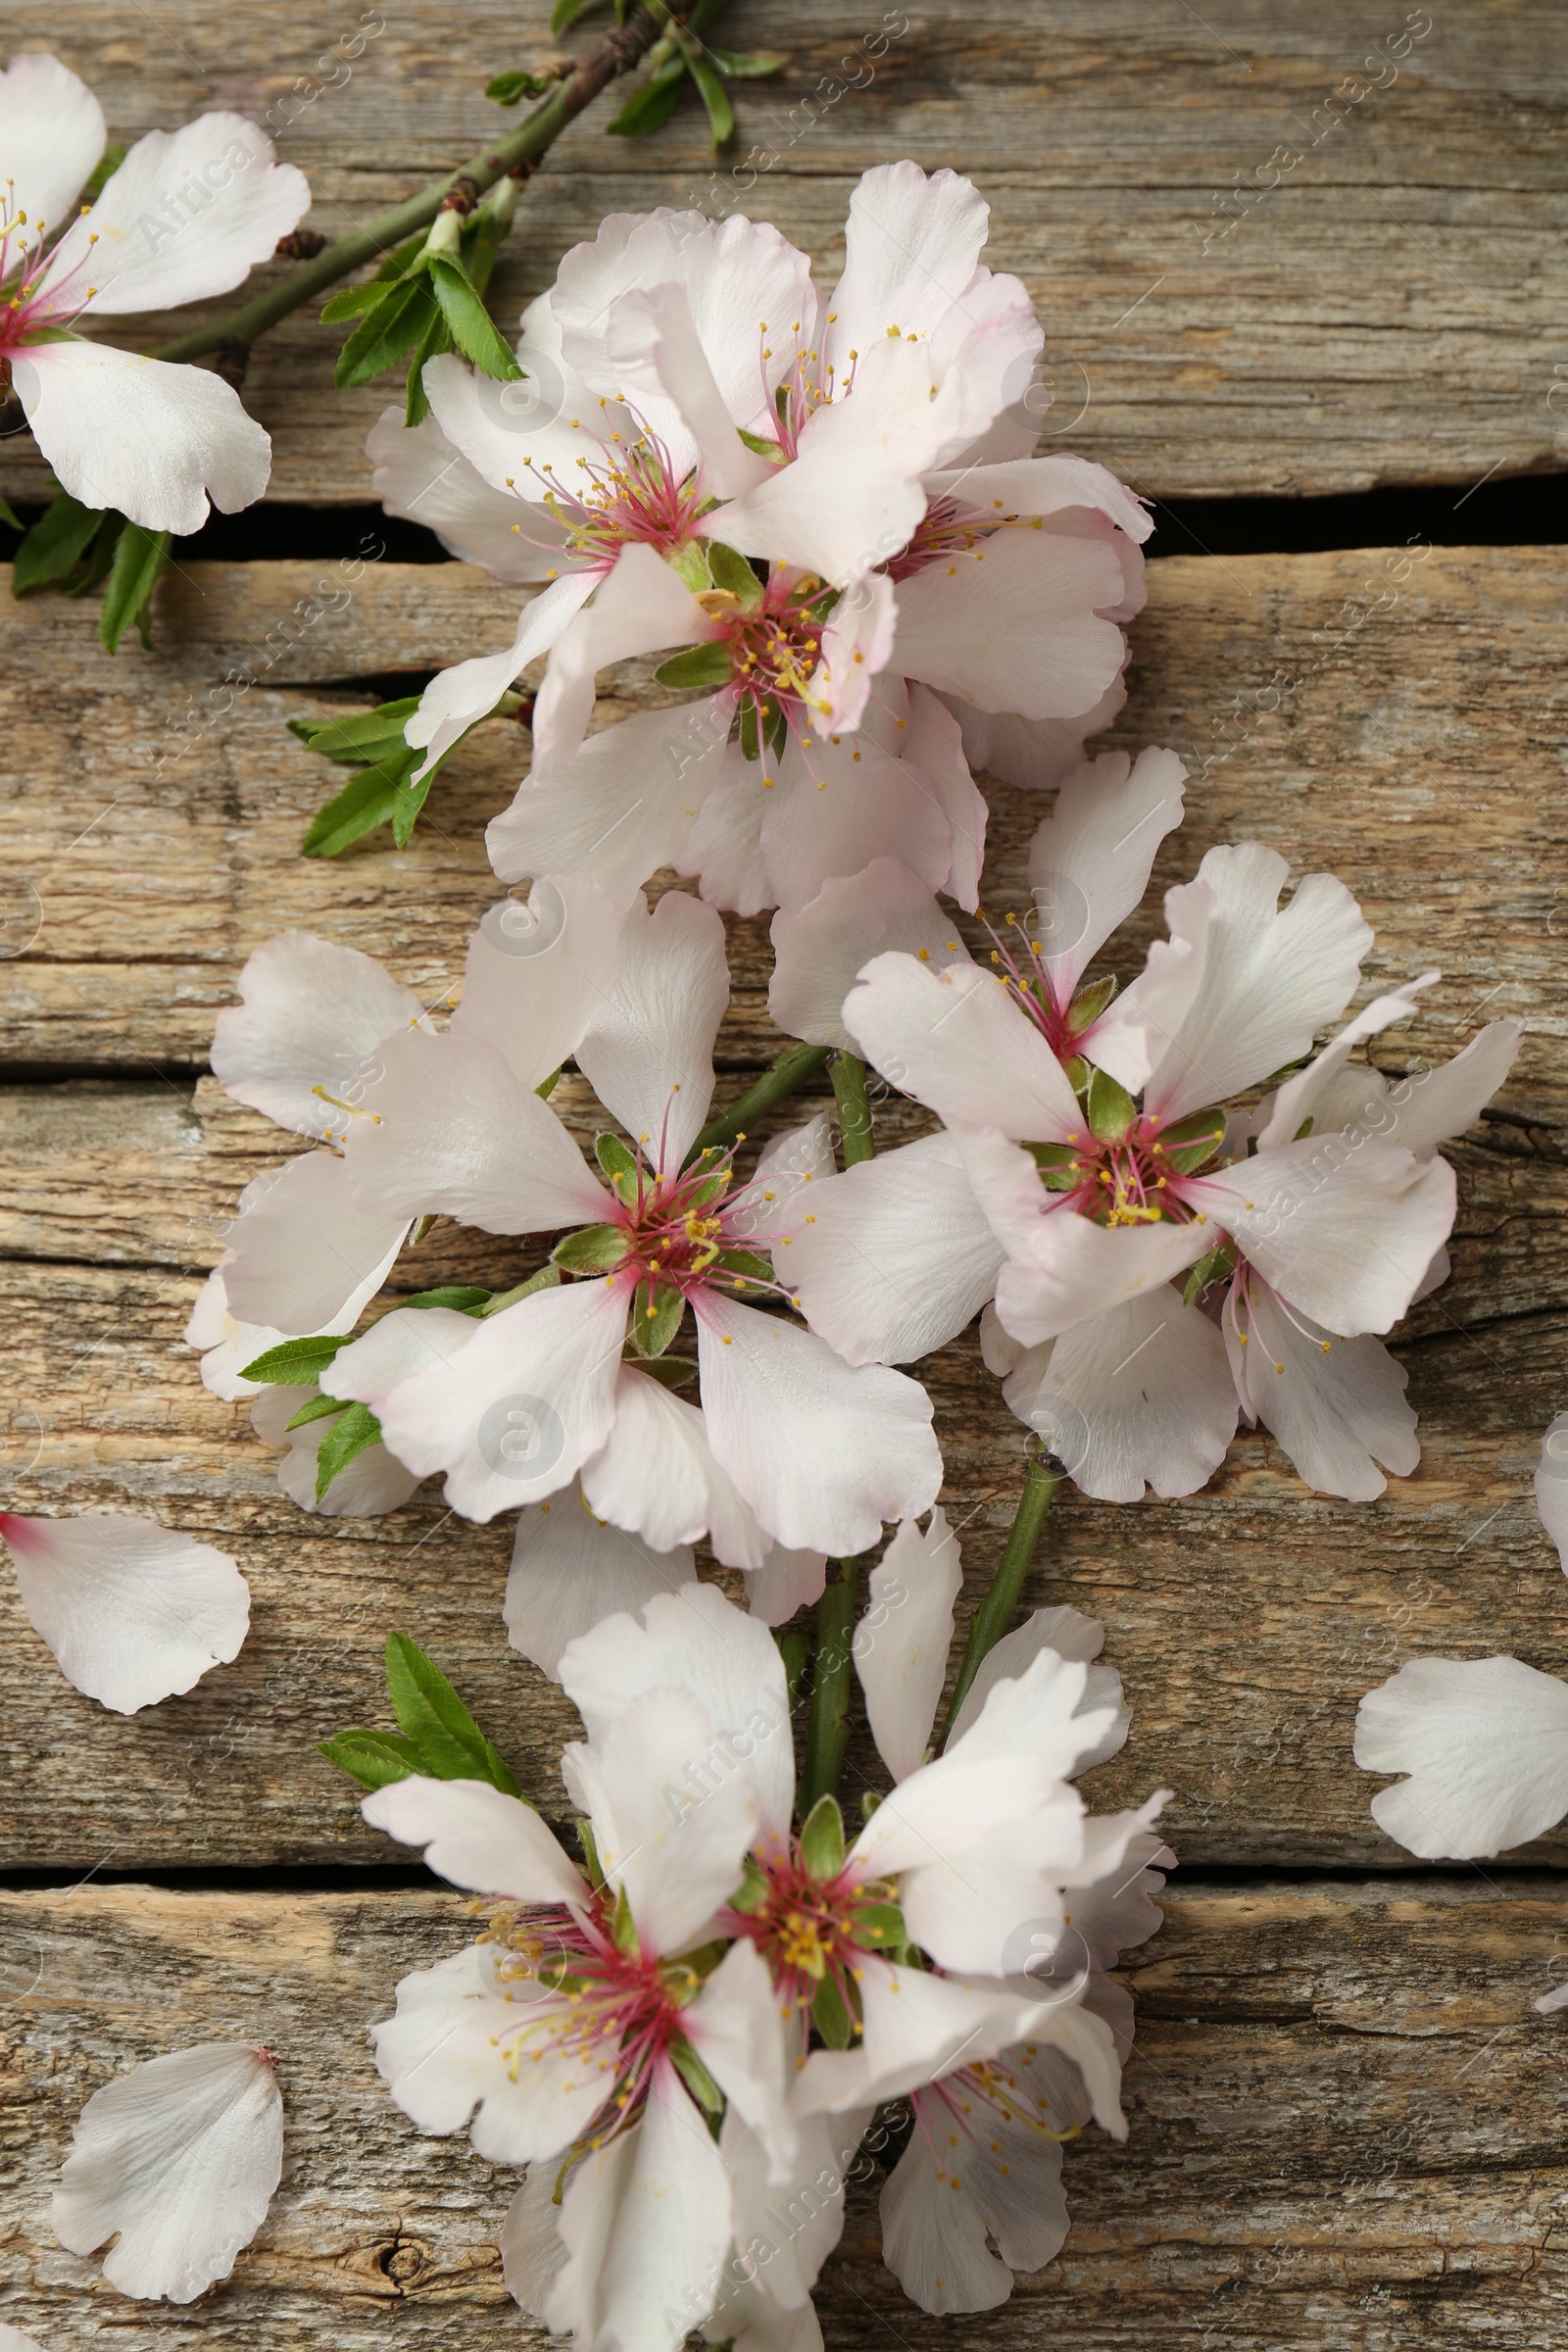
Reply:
x=547, y=1086
x=699, y=666
x=651, y=1334
x=464, y=1297
x=775, y=729
x=1057, y=1166
x=619, y=1164
x=752, y=1893
x=651, y=106
x=318, y=1408
x=670, y=1371
x=55, y=544
x=743, y=66
x=1090, y=1002
x=545, y=1280
x=103, y=172
x=1185, y=1147
x=357, y=1428
x=372, y=1759
x=1303, y=1131
x=366, y=737
x=450, y=1744
x=593, y=1250
x=695, y=2077
x=751, y=742
x=140, y=557
x=472, y=329
x=831, y=2017
x=822, y=1839
x=293, y=1362
x=622, y=1926
x=715, y=96
x=734, y=574
x=590, y=1853
x=870, y=1799
x=1076, y=1072
x=762, y=447
x=1213, y=1267
x=747, y=1265
x=385, y=333
x=881, y=1926
x=1110, y=1109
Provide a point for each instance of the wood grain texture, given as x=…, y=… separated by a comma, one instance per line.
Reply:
x=1344, y=2130
x=1392, y=308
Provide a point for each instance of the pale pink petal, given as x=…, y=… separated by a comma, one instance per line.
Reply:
x=1307, y=1095
x=153, y=440
x=786, y=2231
x=301, y=1255
x=653, y=346
x=1090, y=861
x=1035, y=754
x=1485, y=1742
x=372, y=1483
x=51, y=135
x=902, y=1638
x=181, y=2158
x=964, y=2181
x=836, y=803
x=1432, y=1106
x=228, y=1346
x=912, y=247
x=397, y=1347
x=648, y=1051
x=737, y=2028
x=1044, y=486
x=420, y=477
x=1336, y=1405
x=894, y=1258
x=655, y=1477
x=1073, y=1637
x=917, y=2028
x=786, y=1581
x=531, y=438
x=824, y=1454
x=569, y=1569
x=478, y=1836
x=854, y=649
x=724, y=848
x=309, y=1013
x=1015, y=624
x=639, y=607
x=1552, y=1485
x=934, y=746
x=537, y=970
x=957, y=1040
x=819, y=949
x=520, y=1410
x=460, y=697
x=132, y=1612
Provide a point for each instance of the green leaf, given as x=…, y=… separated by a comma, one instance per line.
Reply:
x=695, y=2077
x=699, y=666
x=715, y=96
x=408, y=799
x=545, y=1280
x=354, y=302
x=731, y=572
x=1112, y=1109
x=593, y=1250
x=507, y=88
x=670, y=1371
x=822, y=1839
x=651, y=108
x=652, y=1332
x=366, y=736
x=566, y=13
x=474, y=330
x=368, y=800
x=436, y=341
x=98, y=558
x=450, y=1743
x=294, y=1362
x=385, y=333
x=464, y=1297
x=9, y=517
x=318, y=1408
x=743, y=66
x=104, y=170
x=1212, y=1269
x=357, y=1428
x=140, y=557
x=55, y=544
x=1184, y=1148
x=1090, y=1002
x=831, y=2017
x=372, y=1759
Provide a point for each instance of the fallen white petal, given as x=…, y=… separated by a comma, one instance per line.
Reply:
x=132, y=1611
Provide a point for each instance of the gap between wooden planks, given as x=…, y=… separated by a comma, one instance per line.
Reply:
x=1392, y=305
x=1345, y=2111
x=1416, y=754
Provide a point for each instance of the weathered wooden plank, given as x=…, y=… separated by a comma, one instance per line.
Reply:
x=1395, y=719
x=1345, y=2128
x=1389, y=305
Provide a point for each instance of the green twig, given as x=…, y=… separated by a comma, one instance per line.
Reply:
x=827, y=1732
x=854, y=1108
x=994, y=1616
x=788, y=1073
x=622, y=48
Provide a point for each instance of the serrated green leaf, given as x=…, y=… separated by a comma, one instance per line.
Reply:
x=346, y=1439
x=822, y=1839
x=1110, y=1107
x=1090, y=1002
x=9, y=517
x=98, y=558
x=386, y=334
x=743, y=66
x=593, y=1250
x=545, y=1280
x=695, y=2077
x=831, y=2017
x=1213, y=1267
x=293, y=1362
x=731, y=572
x=463, y=1297
x=429, y=1712
x=372, y=1759
x=434, y=344
x=715, y=96
x=407, y=802
x=368, y=798
x=366, y=736
x=699, y=666
x=651, y=108
x=565, y=14
x=318, y=1408
x=55, y=543
x=354, y=302
x=140, y=556
x=472, y=329
x=652, y=1331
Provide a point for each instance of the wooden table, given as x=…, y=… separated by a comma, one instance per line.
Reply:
x=1346, y=2116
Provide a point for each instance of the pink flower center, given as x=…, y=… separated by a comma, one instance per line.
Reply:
x=969, y=2105
x=38, y=298
x=814, y=1932
x=625, y=494
x=776, y=650
x=686, y=1229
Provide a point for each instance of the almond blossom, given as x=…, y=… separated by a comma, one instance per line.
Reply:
x=793, y=1451
x=189, y=214
x=1088, y=1166
x=823, y=508
x=720, y=1960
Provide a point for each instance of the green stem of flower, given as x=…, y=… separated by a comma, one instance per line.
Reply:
x=994, y=1616
x=854, y=1108
x=622, y=48
x=789, y=1072
x=827, y=1732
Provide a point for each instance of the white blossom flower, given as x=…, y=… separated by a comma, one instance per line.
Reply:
x=180, y=2157
x=794, y=1452
x=1303, y=1230
x=134, y=1612
x=915, y=578
x=941, y=1954
x=187, y=214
